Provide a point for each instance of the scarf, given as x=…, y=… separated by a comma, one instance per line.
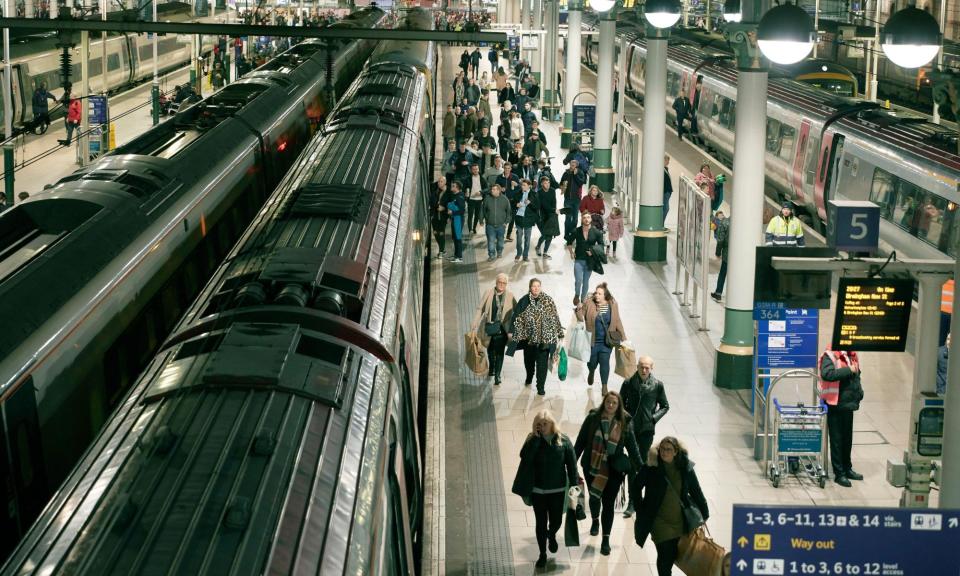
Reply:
x=601, y=447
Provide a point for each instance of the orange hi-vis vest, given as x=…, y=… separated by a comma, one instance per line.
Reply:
x=830, y=390
x=946, y=297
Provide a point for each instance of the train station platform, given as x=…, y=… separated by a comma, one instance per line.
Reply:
x=475, y=525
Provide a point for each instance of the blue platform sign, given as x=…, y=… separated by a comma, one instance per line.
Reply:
x=584, y=117
x=854, y=225
x=769, y=310
x=789, y=341
x=844, y=541
x=98, y=112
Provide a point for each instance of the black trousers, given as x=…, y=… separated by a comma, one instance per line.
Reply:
x=495, y=353
x=535, y=359
x=840, y=426
x=603, y=507
x=547, y=507
x=667, y=552
x=441, y=238
x=473, y=214
x=644, y=442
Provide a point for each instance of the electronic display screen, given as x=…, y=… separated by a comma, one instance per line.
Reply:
x=872, y=314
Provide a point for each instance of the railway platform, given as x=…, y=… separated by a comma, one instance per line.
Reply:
x=475, y=525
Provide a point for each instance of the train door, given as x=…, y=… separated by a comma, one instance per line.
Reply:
x=830, y=149
x=800, y=152
x=25, y=485
x=20, y=93
x=402, y=539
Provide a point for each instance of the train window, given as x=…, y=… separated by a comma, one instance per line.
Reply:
x=773, y=136
x=813, y=149
x=923, y=214
x=715, y=110
x=113, y=62
x=673, y=83
x=732, y=115
x=787, y=137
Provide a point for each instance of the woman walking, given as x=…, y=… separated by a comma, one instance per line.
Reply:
x=669, y=486
x=615, y=227
x=548, y=453
x=492, y=323
x=705, y=176
x=593, y=203
x=600, y=446
x=601, y=313
x=537, y=329
x=549, y=223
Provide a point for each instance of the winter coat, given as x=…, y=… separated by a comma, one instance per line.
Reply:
x=509, y=185
x=851, y=391
x=647, y=404
x=469, y=126
x=592, y=205
x=574, y=185
x=438, y=218
x=74, y=111
x=449, y=125
x=615, y=227
x=711, y=183
x=457, y=206
x=593, y=241
x=652, y=481
x=484, y=314
x=549, y=224
x=554, y=464
x=496, y=210
x=943, y=359
x=584, y=444
x=535, y=149
x=536, y=322
x=473, y=94
x=531, y=215
x=588, y=315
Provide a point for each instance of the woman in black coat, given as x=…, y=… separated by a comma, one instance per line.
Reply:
x=600, y=445
x=548, y=468
x=549, y=223
x=669, y=485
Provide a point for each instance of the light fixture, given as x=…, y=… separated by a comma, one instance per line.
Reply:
x=732, y=11
x=910, y=38
x=662, y=13
x=602, y=5
x=785, y=34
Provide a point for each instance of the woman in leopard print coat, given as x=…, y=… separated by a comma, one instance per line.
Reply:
x=537, y=329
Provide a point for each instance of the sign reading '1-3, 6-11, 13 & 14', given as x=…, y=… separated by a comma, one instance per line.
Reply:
x=844, y=541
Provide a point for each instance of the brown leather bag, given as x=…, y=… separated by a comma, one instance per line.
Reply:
x=699, y=554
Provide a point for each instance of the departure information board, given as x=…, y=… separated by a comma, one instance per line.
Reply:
x=872, y=314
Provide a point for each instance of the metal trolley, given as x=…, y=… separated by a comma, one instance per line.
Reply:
x=799, y=442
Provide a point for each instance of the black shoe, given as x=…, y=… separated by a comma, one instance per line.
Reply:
x=542, y=560
x=595, y=527
x=590, y=378
x=605, y=546
x=552, y=544
x=538, y=251
x=527, y=382
x=496, y=380
x=629, y=511
x=715, y=296
x=851, y=474
x=843, y=481
x=541, y=391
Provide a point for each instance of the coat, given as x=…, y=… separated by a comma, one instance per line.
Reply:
x=449, y=125
x=496, y=210
x=646, y=405
x=531, y=215
x=615, y=227
x=583, y=446
x=943, y=359
x=485, y=310
x=74, y=111
x=458, y=207
x=582, y=245
x=589, y=312
x=549, y=224
x=652, y=482
x=545, y=466
x=592, y=205
x=851, y=391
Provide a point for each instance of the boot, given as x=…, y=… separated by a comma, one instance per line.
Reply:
x=595, y=527
x=605, y=545
x=629, y=510
x=542, y=560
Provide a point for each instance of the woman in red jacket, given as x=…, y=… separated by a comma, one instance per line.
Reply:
x=74, y=110
x=593, y=203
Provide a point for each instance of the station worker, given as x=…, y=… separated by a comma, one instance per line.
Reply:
x=784, y=229
x=840, y=388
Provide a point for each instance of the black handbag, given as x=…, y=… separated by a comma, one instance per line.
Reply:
x=493, y=328
x=621, y=463
x=609, y=339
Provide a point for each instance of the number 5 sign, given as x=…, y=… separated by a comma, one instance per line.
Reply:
x=853, y=226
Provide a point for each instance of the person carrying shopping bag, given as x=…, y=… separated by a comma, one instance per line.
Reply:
x=492, y=323
x=601, y=316
x=537, y=330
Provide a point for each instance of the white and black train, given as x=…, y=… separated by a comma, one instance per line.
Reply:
x=275, y=431
x=95, y=271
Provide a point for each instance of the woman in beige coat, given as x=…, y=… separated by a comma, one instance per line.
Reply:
x=601, y=314
x=492, y=323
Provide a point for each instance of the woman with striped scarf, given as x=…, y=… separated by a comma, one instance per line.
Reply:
x=600, y=445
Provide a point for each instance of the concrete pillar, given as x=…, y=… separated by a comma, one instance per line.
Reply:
x=549, y=81
x=650, y=238
x=950, y=478
x=54, y=9
x=29, y=8
x=539, y=16
x=602, y=147
x=525, y=14
x=7, y=81
x=84, y=92
x=571, y=83
x=735, y=356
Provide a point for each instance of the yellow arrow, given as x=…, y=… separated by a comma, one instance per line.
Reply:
x=742, y=541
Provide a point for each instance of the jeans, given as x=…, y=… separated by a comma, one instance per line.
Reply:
x=544, y=242
x=840, y=426
x=603, y=507
x=473, y=214
x=666, y=204
x=547, y=506
x=570, y=224
x=494, y=240
x=535, y=360
x=523, y=241
x=581, y=279
x=510, y=229
x=721, y=277
x=70, y=128
x=457, y=248
x=667, y=552
x=600, y=354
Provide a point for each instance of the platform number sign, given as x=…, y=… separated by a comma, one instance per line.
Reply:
x=853, y=226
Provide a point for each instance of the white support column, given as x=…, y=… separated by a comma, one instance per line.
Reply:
x=571, y=83
x=602, y=148
x=654, y=124
x=84, y=93
x=525, y=14
x=103, y=50
x=29, y=8
x=7, y=80
x=54, y=9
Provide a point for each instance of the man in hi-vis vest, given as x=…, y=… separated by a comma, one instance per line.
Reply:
x=840, y=388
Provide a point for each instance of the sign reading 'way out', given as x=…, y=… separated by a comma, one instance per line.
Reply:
x=844, y=541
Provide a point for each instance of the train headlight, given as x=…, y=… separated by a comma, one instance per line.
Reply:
x=910, y=38
x=662, y=13
x=732, y=11
x=785, y=34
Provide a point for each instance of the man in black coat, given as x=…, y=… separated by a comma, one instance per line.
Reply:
x=571, y=184
x=475, y=62
x=681, y=106
x=842, y=391
x=645, y=399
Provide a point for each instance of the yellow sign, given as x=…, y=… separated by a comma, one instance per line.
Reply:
x=761, y=542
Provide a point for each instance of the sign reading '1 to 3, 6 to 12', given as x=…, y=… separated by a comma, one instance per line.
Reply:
x=872, y=314
x=844, y=541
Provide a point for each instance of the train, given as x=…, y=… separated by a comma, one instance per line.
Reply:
x=36, y=60
x=275, y=431
x=820, y=146
x=95, y=271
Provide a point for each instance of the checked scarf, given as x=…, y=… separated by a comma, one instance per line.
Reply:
x=599, y=463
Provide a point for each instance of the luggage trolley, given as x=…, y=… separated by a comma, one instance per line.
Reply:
x=799, y=442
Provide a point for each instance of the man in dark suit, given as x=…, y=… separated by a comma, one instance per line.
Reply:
x=681, y=106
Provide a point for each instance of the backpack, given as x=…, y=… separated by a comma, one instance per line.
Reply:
x=582, y=161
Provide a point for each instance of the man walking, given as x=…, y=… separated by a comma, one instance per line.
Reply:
x=496, y=214
x=645, y=399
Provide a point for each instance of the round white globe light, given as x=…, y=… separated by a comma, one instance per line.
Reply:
x=910, y=55
x=911, y=38
x=735, y=17
x=602, y=5
x=785, y=51
x=785, y=34
x=662, y=19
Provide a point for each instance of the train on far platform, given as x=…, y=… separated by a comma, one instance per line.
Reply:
x=820, y=147
x=95, y=271
x=276, y=430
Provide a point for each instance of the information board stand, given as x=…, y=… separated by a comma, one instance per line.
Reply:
x=627, y=182
x=98, y=112
x=693, y=241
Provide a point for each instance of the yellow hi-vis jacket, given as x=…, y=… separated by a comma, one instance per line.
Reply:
x=784, y=232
